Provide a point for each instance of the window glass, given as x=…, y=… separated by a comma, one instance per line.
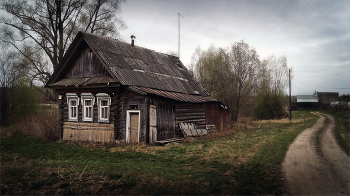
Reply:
x=104, y=102
x=104, y=109
x=73, y=109
x=87, y=109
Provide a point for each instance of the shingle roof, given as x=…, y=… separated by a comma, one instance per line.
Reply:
x=171, y=95
x=142, y=67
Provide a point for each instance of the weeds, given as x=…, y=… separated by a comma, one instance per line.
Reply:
x=240, y=161
x=44, y=125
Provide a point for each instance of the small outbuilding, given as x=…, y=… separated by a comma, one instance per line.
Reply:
x=307, y=102
x=109, y=90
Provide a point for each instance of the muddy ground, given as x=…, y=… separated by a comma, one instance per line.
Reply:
x=312, y=169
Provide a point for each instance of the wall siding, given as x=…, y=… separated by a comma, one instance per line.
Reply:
x=190, y=113
x=130, y=98
x=86, y=64
x=165, y=117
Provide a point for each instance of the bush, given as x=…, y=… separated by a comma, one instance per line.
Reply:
x=44, y=126
x=269, y=106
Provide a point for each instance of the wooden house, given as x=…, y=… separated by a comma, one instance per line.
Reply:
x=110, y=90
x=326, y=98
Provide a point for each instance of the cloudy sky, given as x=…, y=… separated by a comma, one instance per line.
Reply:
x=313, y=35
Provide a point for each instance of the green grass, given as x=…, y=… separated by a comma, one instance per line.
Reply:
x=246, y=161
x=342, y=130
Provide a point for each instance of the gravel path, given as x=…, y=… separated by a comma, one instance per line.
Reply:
x=316, y=170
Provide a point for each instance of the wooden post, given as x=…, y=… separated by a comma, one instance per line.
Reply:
x=290, y=99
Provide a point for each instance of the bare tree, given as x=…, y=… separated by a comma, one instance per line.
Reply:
x=43, y=29
x=245, y=64
x=270, y=97
x=230, y=75
x=11, y=71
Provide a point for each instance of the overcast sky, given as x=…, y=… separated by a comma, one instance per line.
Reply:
x=313, y=35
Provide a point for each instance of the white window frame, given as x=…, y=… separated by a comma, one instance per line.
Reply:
x=72, y=97
x=85, y=97
x=103, y=97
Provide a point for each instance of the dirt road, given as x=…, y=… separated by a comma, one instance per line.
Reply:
x=316, y=170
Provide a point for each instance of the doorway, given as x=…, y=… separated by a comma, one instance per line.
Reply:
x=133, y=126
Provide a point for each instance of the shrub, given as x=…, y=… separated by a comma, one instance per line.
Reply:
x=269, y=106
x=44, y=126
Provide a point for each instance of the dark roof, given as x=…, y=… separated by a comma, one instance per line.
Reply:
x=83, y=81
x=135, y=66
x=171, y=95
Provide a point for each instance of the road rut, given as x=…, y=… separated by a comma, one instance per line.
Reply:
x=316, y=170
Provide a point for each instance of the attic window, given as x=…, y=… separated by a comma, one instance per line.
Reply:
x=196, y=92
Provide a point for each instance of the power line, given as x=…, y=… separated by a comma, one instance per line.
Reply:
x=325, y=69
x=325, y=75
x=320, y=87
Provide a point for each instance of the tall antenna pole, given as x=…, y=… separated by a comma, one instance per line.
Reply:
x=178, y=19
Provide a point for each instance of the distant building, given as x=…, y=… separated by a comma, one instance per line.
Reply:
x=307, y=102
x=326, y=98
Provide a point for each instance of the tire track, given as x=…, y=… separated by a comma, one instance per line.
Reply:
x=310, y=173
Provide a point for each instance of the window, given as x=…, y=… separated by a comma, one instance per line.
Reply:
x=134, y=107
x=73, y=109
x=104, y=110
x=104, y=101
x=73, y=102
x=88, y=105
x=87, y=109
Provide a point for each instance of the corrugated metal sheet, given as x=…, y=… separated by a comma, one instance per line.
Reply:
x=171, y=95
x=143, y=67
x=83, y=81
x=307, y=98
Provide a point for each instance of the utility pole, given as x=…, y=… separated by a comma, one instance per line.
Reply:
x=290, y=99
x=178, y=19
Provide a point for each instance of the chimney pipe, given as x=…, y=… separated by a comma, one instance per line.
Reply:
x=132, y=40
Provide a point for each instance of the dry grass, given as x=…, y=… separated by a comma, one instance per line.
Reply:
x=43, y=126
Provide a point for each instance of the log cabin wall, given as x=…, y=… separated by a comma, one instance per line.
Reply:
x=218, y=116
x=212, y=112
x=86, y=65
x=128, y=101
x=61, y=107
x=190, y=113
x=165, y=109
x=92, y=131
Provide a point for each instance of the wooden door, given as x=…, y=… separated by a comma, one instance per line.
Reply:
x=134, y=127
x=152, y=124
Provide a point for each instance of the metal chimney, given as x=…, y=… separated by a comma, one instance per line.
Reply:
x=132, y=40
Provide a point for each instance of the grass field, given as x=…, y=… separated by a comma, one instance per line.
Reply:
x=342, y=130
x=247, y=160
